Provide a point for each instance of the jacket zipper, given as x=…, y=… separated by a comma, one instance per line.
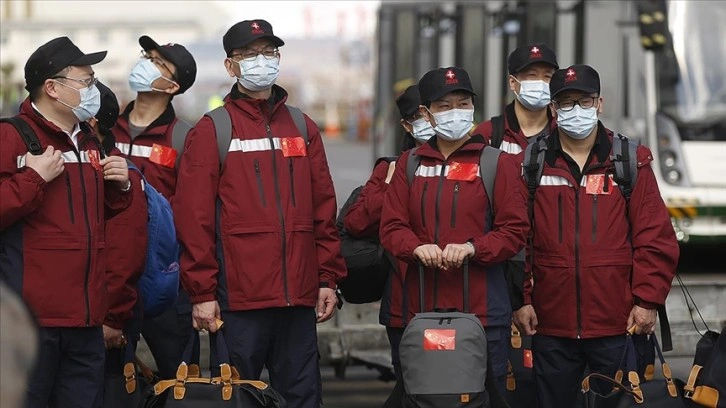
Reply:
x=70, y=198
x=423, y=204
x=594, y=217
x=436, y=224
x=260, y=187
x=88, y=232
x=98, y=198
x=279, y=211
x=577, y=262
x=292, y=183
x=453, y=207
x=559, y=215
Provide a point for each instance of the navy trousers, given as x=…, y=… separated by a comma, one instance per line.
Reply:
x=285, y=341
x=70, y=368
x=559, y=366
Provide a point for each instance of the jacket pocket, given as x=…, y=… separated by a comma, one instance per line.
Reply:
x=454, y=204
x=260, y=186
x=292, y=183
x=69, y=192
x=423, y=203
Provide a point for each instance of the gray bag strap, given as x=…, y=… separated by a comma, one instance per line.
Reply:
x=178, y=136
x=222, y=129
x=299, y=119
x=625, y=158
x=413, y=161
x=488, y=162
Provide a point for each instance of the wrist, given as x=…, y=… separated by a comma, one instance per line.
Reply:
x=125, y=187
x=471, y=247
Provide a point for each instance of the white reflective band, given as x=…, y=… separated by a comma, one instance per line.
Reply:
x=435, y=171
x=135, y=150
x=68, y=157
x=253, y=145
x=511, y=148
x=550, y=181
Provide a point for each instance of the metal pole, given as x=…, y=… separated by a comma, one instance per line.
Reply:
x=651, y=102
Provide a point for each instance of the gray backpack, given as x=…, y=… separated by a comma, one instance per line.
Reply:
x=444, y=357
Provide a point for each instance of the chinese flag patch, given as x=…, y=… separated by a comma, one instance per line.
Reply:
x=439, y=339
x=163, y=155
x=596, y=184
x=95, y=159
x=528, y=363
x=293, y=147
x=462, y=171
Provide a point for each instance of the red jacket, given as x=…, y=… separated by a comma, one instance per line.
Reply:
x=53, y=233
x=275, y=242
x=139, y=150
x=438, y=209
x=363, y=220
x=514, y=140
x=592, y=259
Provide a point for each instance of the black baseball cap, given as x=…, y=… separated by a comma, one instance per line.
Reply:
x=408, y=102
x=109, y=110
x=186, y=67
x=52, y=57
x=247, y=31
x=526, y=55
x=575, y=77
x=439, y=82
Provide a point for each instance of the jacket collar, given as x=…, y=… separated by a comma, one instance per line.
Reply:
x=431, y=148
x=257, y=107
x=165, y=119
x=601, y=148
x=26, y=109
x=513, y=122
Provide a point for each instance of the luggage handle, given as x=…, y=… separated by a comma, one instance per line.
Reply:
x=421, y=290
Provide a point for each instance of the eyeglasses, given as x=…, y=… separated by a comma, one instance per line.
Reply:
x=584, y=102
x=158, y=61
x=251, y=55
x=87, y=83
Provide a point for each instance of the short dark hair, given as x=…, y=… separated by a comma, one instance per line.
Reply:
x=35, y=92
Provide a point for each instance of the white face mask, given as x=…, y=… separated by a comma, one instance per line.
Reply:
x=422, y=130
x=453, y=124
x=89, y=105
x=533, y=95
x=577, y=123
x=143, y=75
x=259, y=74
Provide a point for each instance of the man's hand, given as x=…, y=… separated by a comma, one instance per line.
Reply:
x=205, y=316
x=113, y=338
x=643, y=319
x=430, y=255
x=326, y=304
x=526, y=320
x=115, y=169
x=48, y=165
x=391, y=169
x=454, y=255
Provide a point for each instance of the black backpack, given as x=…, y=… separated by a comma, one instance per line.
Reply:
x=367, y=262
x=626, y=174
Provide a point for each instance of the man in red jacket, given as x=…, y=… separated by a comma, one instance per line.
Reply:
x=145, y=134
x=600, y=265
x=52, y=215
x=442, y=216
x=527, y=117
x=258, y=229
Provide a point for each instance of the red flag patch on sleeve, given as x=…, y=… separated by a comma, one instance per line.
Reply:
x=462, y=171
x=293, y=147
x=163, y=155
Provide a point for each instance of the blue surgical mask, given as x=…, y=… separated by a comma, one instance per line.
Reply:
x=259, y=74
x=422, y=130
x=578, y=122
x=143, y=75
x=533, y=95
x=89, y=105
x=453, y=124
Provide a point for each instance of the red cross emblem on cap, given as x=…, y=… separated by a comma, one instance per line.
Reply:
x=450, y=74
x=570, y=75
x=451, y=77
x=256, y=28
x=534, y=52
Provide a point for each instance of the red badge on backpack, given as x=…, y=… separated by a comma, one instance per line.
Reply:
x=462, y=171
x=293, y=147
x=527, y=358
x=163, y=155
x=439, y=339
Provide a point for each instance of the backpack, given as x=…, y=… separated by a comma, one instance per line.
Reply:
x=707, y=379
x=444, y=356
x=223, y=127
x=367, y=262
x=626, y=174
x=178, y=136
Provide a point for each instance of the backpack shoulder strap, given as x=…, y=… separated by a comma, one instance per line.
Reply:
x=533, y=164
x=412, y=164
x=626, y=170
x=178, y=136
x=497, y=136
x=488, y=162
x=27, y=133
x=299, y=119
x=222, y=129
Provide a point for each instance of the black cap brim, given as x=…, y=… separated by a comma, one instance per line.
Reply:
x=89, y=59
x=555, y=66
x=585, y=89
x=147, y=44
x=439, y=95
x=276, y=41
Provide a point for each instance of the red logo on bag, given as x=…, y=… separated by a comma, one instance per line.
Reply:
x=528, y=361
x=439, y=339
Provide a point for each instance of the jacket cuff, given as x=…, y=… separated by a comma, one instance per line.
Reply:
x=210, y=297
x=113, y=323
x=645, y=304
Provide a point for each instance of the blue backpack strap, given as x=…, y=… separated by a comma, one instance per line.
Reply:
x=299, y=119
x=178, y=136
x=412, y=164
x=26, y=133
x=222, y=129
